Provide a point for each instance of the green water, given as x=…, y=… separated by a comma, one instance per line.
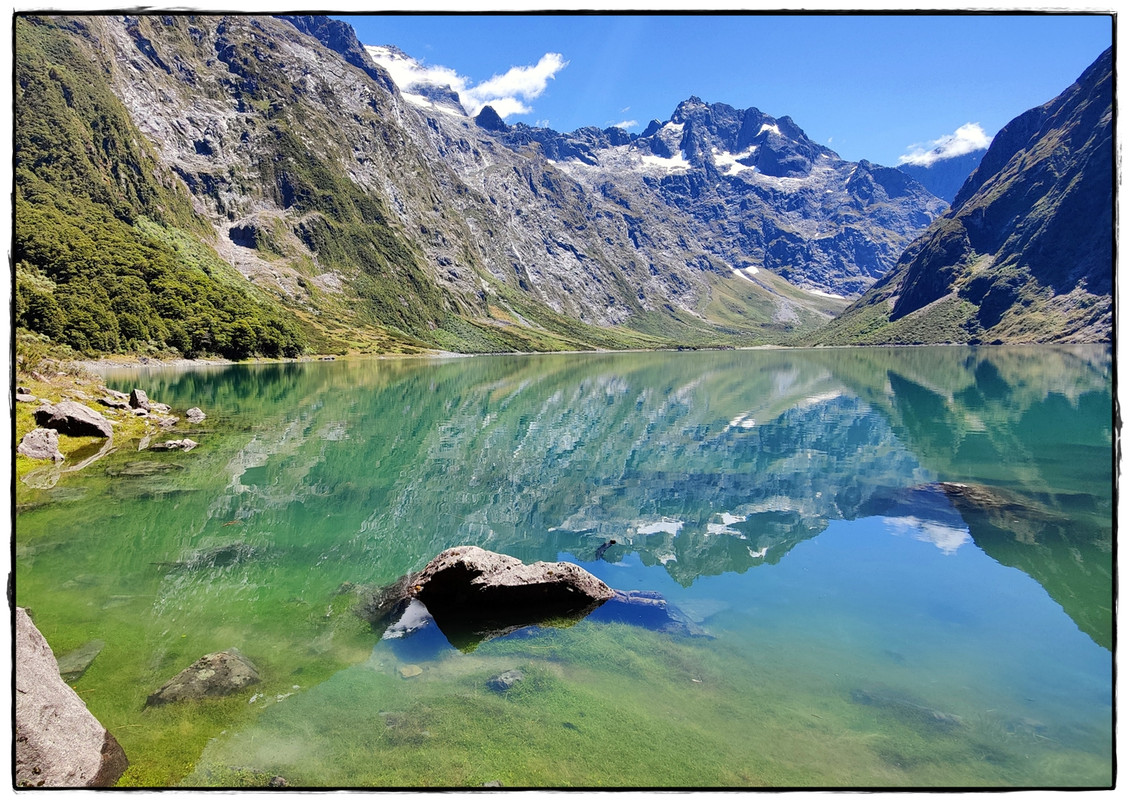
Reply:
x=862, y=628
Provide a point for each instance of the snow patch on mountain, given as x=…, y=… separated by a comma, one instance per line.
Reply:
x=729, y=163
x=676, y=163
x=821, y=293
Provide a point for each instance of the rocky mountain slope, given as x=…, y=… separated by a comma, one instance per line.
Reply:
x=256, y=185
x=758, y=192
x=1026, y=252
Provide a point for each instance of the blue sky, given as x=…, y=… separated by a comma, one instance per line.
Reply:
x=868, y=86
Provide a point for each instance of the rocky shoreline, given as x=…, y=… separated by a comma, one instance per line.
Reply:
x=63, y=408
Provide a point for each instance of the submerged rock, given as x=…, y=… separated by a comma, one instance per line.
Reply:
x=58, y=741
x=215, y=675
x=906, y=708
x=603, y=548
x=987, y=498
x=506, y=680
x=648, y=610
x=75, y=663
x=1022, y=517
x=223, y=555
x=141, y=469
x=174, y=444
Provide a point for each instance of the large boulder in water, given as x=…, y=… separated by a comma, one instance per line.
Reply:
x=474, y=594
x=59, y=743
x=481, y=581
x=214, y=675
x=73, y=419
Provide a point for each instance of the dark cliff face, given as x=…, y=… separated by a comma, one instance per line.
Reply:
x=1025, y=254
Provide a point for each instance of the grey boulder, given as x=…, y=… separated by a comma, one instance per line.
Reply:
x=470, y=581
x=138, y=399
x=59, y=743
x=73, y=419
x=41, y=443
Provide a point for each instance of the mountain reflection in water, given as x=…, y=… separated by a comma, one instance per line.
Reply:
x=708, y=463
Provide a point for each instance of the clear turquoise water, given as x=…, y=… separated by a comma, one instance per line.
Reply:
x=863, y=630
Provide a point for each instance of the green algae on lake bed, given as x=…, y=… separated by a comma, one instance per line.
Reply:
x=786, y=501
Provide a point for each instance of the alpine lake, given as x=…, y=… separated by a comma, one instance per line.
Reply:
x=895, y=564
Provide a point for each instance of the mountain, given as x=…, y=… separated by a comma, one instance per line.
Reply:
x=259, y=185
x=1025, y=254
x=759, y=193
x=944, y=177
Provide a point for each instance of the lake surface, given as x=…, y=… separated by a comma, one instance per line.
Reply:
x=858, y=620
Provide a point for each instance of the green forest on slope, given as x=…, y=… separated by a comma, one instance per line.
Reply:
x=92, y=271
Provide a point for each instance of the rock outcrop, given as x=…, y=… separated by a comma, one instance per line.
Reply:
x=214, y=675
x=59, y=743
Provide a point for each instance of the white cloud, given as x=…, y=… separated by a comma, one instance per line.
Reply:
x=508, y=92
x=967, y=139
x=504, y=106
x=408, y=72
x=625, y=124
